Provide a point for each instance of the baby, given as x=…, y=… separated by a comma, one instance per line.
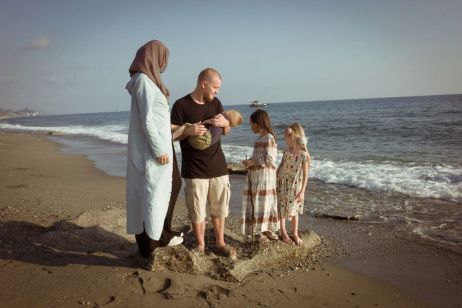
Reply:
x=213, y=133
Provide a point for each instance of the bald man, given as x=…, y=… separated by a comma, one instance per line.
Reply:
x=204, y=171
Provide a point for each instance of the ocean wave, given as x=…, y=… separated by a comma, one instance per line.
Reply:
x=105, y=132
x=417, y=181
x=441, y=182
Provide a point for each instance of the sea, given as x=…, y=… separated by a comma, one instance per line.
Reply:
x=394, y=161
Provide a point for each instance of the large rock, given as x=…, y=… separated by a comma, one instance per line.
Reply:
x=103, y=233
x=252, y=258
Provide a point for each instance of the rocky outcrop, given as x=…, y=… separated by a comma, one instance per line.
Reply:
x=9, y=114
x=236, y=168
x=103, y=233
x=251, y=258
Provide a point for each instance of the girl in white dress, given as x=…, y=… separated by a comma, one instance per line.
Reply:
x=292, y=178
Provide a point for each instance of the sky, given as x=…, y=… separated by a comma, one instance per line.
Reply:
x=61, y=57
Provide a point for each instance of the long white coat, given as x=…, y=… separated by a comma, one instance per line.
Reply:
x=149, y=184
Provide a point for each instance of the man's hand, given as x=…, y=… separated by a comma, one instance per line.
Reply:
x=219, y=121
x=196, y=129
x=163, y=159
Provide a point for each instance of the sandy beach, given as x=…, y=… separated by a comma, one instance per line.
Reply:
x=62, y=245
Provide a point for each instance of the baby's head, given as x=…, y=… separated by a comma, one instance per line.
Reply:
x=234, y=117
x=295, y=135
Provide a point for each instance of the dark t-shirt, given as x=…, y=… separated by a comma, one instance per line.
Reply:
x=202, y=164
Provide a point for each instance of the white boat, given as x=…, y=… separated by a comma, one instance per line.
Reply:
x=257, y=104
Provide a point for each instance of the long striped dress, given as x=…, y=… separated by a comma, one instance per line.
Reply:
x=259, y=200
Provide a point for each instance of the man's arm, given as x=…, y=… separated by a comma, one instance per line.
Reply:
x=220, y=121
x=185, y=130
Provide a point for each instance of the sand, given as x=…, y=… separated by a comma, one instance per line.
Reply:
x=62, y=244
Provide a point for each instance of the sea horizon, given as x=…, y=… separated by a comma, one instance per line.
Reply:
x=50, y=113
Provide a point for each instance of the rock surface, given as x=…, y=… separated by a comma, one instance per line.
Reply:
x=103, y=230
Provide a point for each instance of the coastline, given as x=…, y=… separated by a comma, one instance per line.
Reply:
x=41, y=186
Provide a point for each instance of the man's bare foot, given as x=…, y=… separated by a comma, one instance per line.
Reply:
x=199, y=250
x=227, y=251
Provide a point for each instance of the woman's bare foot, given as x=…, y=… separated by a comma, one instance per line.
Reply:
x=297, y=240
x=286, y=239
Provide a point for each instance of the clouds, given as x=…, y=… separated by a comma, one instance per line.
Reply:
x=40, y=42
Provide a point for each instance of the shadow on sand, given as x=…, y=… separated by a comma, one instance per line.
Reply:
x=99, y=238
x=63, y=243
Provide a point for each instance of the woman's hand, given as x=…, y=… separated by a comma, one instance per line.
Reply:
x=300, y=196
x=163, y=159
x=248, y=163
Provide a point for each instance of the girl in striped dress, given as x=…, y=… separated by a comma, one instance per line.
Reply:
x=259, y=204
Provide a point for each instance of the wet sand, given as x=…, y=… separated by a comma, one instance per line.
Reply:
x=44, y=191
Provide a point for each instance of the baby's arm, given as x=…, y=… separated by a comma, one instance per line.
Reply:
x=178, y=131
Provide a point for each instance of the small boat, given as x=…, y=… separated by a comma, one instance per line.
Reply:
x=257, y=104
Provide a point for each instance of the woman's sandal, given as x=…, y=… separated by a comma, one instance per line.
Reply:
x=271, y=235
x=227, y=251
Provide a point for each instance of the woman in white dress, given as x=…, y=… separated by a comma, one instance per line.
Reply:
x=151, y=162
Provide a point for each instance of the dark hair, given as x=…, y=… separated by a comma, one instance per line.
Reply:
x=262, y=119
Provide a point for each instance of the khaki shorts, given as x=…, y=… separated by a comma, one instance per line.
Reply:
x=215, y=190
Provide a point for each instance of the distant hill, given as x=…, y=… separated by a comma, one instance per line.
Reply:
x=26, y=112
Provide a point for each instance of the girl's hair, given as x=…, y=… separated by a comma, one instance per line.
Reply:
x=262, y=120
x=298, y=133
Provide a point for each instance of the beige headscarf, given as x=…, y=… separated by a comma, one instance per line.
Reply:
x=151, y=59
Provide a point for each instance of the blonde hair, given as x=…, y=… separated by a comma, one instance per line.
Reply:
x=234, y=117
x=298, y=133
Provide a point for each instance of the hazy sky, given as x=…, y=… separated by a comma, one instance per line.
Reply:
x=73, y=56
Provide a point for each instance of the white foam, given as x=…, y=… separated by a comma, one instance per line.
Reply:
x=417, y=181
x=105, y=132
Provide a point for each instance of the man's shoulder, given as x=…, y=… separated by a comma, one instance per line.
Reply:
x=184, y=100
